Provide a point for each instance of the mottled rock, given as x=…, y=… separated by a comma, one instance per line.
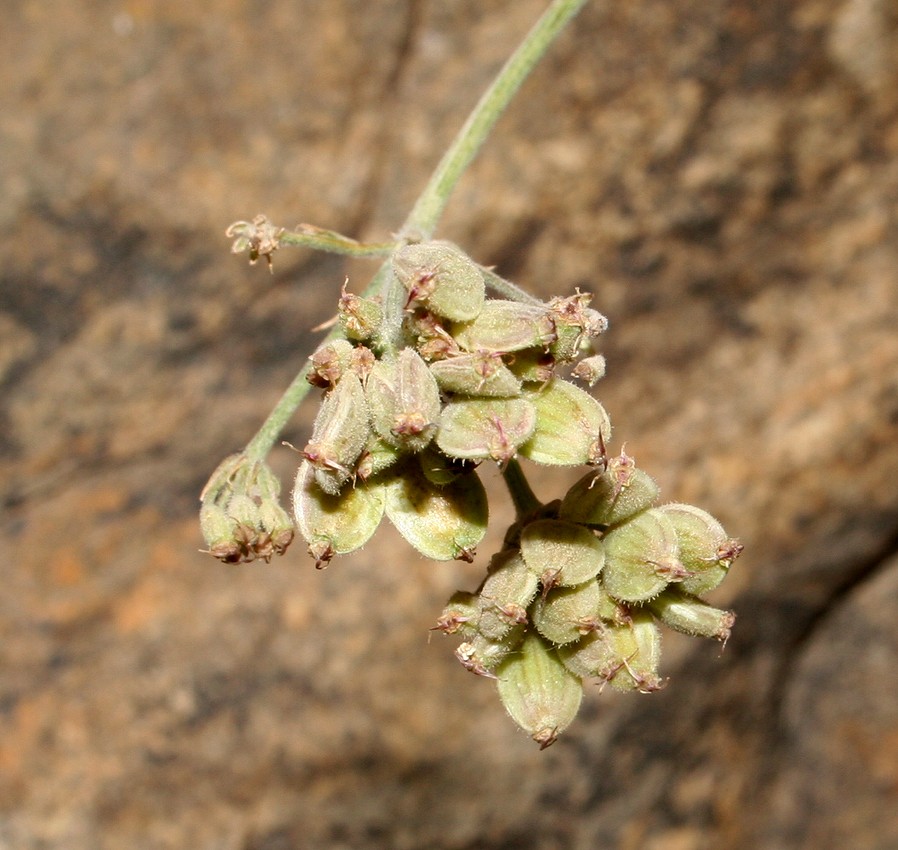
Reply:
x=724, y=177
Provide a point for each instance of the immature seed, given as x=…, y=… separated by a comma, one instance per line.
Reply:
x=441, y=522
x=340, y=433
x=538, y=691
x=442, y=277
x=335, y=525
x=641, y=557
x=572, y=428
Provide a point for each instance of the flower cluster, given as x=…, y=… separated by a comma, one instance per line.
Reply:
x=403, y=427
x=578, y=592
x=421, y=387
x=425, y=379
x=241, y=516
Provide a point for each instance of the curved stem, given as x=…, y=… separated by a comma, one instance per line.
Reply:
x=424, y=216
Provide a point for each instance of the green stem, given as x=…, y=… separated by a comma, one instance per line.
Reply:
x=506, y=288
x=319, y=239
x=525, y=501
x=427, y=210
x=422, y=220
x=260, y=445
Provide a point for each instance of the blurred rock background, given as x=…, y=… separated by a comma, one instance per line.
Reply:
x=724, y=176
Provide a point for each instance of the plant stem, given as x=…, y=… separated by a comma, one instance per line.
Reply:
x=422, y=220
x=261, y=444
x=524, y=499
x=319, y=239
x=506, y=288
x=427, y=210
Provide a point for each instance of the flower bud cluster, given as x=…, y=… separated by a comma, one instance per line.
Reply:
x=425, y=385
x=403, y=426
x=241, y=516
x=579, y=592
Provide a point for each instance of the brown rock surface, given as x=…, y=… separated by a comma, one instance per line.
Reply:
x=723, y=175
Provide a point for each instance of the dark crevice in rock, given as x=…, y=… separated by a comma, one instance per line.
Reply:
x=839, y=594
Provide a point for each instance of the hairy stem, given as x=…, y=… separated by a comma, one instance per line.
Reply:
x=319, y=239
x=506, y=288
x=260, y=445
x=425, y=215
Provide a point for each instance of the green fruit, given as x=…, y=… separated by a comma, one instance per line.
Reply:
x=532, y=365
x=404, y=401
x=572, y=428
x=538, y=691
x=361, y=318
x=461, y=615
x=507, y=591
x=565, y=614
x=705, y=549
x=691, y=616
x=478, y=429
x=481, y=655
x=612, y=497
x=335, y=525
x=340, y=433
x=478, y=374
x=442, y=278
x=561, y=553
x=506, y=326
x=641, y=557
x=441, y=522
x=329, y=362
x=627, y=656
